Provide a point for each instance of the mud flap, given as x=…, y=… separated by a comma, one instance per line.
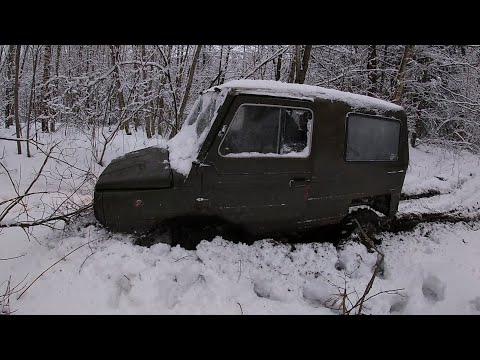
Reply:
x=394, y=200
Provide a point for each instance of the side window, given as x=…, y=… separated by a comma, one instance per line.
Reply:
x=268, y=131
x=372, y=138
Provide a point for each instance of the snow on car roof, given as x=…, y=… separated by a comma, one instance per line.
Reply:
x=301, y=91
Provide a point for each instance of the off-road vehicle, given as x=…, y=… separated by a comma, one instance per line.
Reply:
x=264, y=156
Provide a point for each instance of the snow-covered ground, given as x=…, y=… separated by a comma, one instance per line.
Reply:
x=435, y=266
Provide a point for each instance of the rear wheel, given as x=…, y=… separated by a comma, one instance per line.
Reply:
x=366, y=218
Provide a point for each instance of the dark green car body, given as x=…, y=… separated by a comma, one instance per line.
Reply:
x=252, y=170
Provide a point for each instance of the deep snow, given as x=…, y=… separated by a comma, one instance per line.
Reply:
x=436, y=265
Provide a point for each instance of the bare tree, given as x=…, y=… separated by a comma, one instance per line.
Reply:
x=9, y=87
x=115, y=54
x=31, y=102
x=47, y=57
x=17, y=118
x=400, y=81
x=302, y=66
x=293, y=63
x=186, y=94
x=278, y=69
x=372, y=70
x=95, y=87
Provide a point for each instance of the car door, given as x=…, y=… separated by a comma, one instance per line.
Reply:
x=258, y=168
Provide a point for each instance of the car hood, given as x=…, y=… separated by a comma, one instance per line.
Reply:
x=142, y=169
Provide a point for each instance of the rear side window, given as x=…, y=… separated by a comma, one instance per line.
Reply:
x=371, y=138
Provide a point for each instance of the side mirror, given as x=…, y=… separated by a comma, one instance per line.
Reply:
x=198, y=163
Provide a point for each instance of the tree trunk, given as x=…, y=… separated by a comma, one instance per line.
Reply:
x=191, y=72
x=32, y=95
x=57, y=87
x=17, y=118
x=400, y=81
x=151, y=108
x=372, y=70
x=47, y=56
x=115, y=53
x=279, y=68
x=25, y=54
x=148, y=116
x=302, y=66
x=136, y=119
x=382, y=76
x=220, y=65
x=9, y=87
x=183, y=60
x=291, y=75
x=160, y=106
x=224, y=72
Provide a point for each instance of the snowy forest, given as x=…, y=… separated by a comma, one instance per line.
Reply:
x=151, y=88
x=66, y=111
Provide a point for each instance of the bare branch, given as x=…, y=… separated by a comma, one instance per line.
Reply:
x=267, y=60
x=14, y=257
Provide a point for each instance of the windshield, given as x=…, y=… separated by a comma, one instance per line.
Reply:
x=184, y=146
x=202, y=111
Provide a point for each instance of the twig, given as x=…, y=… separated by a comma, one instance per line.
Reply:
x=28, y=140
x=15, y=257
x=241, y=310
x=64, y=217
x=85, y=261
x=9, y=291
x=63, y=258
x=25, y=195
x=6, y=299
x=14, y=203
x=389, y=292
x=240, y=274
x=270, y=58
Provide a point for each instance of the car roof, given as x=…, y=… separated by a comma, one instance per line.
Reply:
x=305, y=92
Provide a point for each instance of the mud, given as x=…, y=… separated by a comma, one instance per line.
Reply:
x=407, y=222
x=426, y=194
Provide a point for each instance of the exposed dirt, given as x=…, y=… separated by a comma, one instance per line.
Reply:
x=406, y=222
x=426, y=194
x=373, y=225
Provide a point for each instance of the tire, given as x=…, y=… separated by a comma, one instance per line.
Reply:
x=368, y=220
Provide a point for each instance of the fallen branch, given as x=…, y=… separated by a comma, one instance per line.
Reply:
x=65, y=217
x=341, y=300
x=11, y=258
x=20, y=197
x=20, y=139
x=376, y=269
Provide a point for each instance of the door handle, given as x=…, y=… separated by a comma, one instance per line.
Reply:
x=298, y=182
